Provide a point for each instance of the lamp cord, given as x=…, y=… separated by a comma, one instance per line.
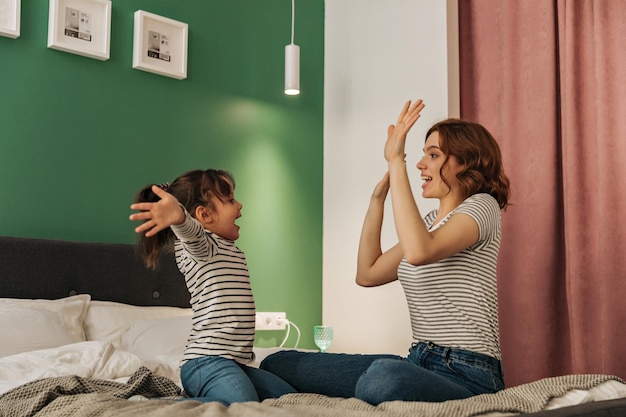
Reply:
x=293, y=18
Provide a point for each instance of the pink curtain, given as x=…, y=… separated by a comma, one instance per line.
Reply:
x=548, y=79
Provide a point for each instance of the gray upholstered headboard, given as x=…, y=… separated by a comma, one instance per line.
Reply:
x=42, y=268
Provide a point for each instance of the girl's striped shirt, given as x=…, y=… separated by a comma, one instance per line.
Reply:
x=217, y=277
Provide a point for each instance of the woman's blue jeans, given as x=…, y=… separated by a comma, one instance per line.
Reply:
x=213, y=378
x=429, y=373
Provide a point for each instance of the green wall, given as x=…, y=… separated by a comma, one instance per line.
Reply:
x=79, y=137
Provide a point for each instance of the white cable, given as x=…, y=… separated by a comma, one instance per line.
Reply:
x=293, y=18
x=286, y=334
x=298, y=339
x=298, y=330
x=289, y=324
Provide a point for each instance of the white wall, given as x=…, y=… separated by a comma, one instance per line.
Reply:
x=378, y=54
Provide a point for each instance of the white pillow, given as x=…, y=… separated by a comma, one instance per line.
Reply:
x=71, y=313
x=107, y=320
x=25, y=330
x=157, y=339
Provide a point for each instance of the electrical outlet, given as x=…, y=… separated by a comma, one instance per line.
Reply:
x=271, y=321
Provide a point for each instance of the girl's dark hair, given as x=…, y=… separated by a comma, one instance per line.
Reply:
x=473, y=146
x=191, y=189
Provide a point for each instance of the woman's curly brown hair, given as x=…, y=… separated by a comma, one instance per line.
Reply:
x=475, y=148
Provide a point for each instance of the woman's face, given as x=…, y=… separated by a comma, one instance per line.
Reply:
x=430, y=167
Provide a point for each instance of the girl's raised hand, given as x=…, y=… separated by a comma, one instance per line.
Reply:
x=396, y=134
x=158, y=216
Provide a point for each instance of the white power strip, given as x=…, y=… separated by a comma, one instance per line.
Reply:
x=271, y=321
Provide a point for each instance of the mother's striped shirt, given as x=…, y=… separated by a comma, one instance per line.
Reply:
x=454, y=302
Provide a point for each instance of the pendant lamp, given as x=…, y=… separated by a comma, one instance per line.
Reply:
x=292, y=61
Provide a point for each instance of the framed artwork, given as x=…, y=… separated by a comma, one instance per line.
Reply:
x=160, y=45
x=81, y=27
x=10, y=18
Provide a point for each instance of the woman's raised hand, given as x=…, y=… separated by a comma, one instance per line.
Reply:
x=382, y=188
x=158, y=216
x=396, y=134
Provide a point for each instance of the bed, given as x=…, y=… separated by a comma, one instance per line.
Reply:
x=88, y=331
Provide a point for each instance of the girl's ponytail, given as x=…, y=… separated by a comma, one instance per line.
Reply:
x=149, y=248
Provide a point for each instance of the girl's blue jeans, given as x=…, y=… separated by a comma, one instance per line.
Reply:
x=429, y=373
x=213, y=378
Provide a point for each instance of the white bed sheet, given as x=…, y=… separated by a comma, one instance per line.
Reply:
x=93, y=359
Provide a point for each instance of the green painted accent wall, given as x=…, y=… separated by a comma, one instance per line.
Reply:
x=79, y=137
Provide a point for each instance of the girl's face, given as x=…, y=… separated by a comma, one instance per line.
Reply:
x=221, y=219
x=430, y=167
x=224, y=216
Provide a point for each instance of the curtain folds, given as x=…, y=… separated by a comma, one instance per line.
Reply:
x=548, y=79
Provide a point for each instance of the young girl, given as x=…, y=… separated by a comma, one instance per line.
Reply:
x=197, y=214
x=446, y=263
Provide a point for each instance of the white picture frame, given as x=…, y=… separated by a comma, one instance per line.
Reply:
x=10, y=12
x=160, y=45
x=81, y=27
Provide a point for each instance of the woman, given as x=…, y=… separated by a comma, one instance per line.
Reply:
x=446, y=263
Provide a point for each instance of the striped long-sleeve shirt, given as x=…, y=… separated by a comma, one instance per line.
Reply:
x=454, y=302
x=217, y=277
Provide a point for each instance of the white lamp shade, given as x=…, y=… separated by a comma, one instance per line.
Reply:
x=292, y=69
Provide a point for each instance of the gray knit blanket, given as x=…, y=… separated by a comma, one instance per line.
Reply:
x=74, y=396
